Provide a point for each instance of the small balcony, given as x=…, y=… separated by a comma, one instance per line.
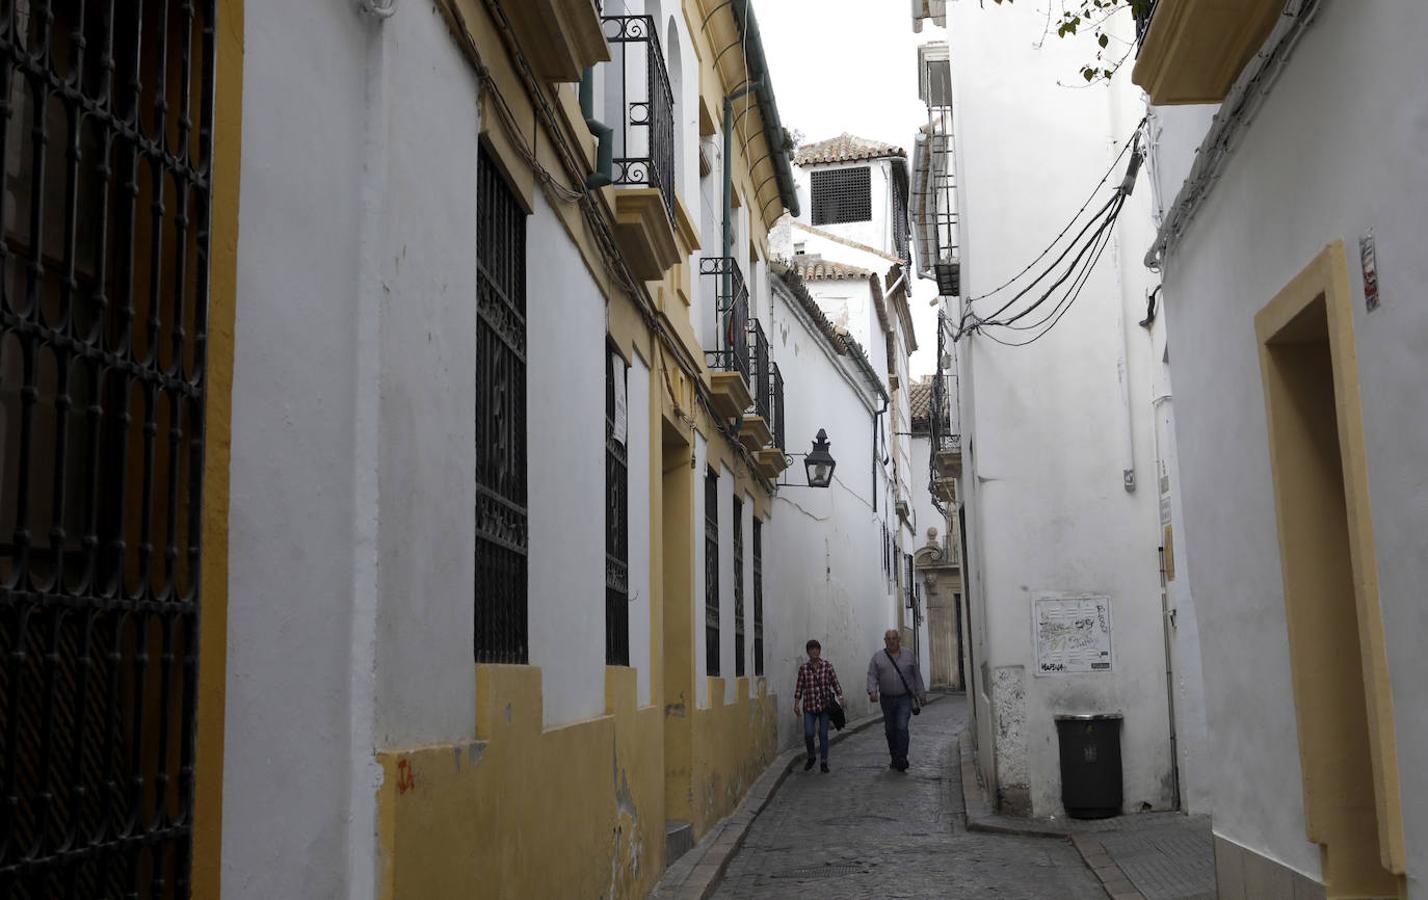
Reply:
x=640, y=105
x=728, y=361
x=1192, y=51
x=755, y=430
x=561, y=38
x=772, y=460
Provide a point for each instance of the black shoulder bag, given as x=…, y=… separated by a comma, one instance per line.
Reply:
x=916, y=707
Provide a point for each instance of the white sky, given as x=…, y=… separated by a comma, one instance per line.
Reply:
x=851, y=65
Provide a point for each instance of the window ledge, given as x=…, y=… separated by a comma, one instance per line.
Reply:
x=561, y=38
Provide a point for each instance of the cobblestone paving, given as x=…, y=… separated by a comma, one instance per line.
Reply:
x=865, y=831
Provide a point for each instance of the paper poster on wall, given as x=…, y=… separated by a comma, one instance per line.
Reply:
x=1073, y=634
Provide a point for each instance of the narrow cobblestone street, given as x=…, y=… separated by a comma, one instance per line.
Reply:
x=864, y=831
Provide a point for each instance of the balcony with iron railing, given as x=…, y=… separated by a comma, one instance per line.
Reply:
x=728, y=356
x=1193, y=52
x=639, y=102
x=755, y=428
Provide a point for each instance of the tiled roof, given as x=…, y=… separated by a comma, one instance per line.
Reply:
x=839, y=339
x=845, y=148
x=816, y=268
x=920, y=402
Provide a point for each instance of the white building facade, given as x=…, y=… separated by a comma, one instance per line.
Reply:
x=1056, y=451
x=1291, y=268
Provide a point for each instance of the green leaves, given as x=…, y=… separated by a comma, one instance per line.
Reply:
x=1095, y=17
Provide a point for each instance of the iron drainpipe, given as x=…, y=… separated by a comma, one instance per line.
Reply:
x=604, y=154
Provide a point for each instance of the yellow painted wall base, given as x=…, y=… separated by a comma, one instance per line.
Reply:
x=577, y=811
x=733, y=743
x=520, y=812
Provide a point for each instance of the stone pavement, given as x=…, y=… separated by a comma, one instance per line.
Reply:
x=865, y=831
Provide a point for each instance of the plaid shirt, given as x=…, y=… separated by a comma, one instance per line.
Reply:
x=817, y=685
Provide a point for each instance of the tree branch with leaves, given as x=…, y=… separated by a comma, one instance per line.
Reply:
x=1093, y=17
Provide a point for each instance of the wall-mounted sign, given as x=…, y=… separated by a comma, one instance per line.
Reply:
x=1072, y=634
x=1368, y=259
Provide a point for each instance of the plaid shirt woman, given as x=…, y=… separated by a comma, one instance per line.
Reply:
x=814, y=693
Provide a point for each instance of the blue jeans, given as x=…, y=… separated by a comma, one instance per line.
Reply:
x=820, y=718
x=897, y=712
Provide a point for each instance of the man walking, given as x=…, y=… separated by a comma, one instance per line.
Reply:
x=895, y=681
x=816, y=691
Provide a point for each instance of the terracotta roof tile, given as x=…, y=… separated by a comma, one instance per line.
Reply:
x=816, y=268
x=845, y=148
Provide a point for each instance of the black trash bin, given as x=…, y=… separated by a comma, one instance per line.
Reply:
x=1090, y=765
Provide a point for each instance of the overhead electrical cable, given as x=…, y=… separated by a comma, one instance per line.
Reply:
x=1125, y=147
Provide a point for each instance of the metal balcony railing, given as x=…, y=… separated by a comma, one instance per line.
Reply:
x=644, y=132
x=775, y=394
x=759, y=369
x=731, y=316
x=1143, y=11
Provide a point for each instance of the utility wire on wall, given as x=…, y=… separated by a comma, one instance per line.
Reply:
x=1061, y=281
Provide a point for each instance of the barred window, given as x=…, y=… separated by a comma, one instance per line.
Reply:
x=501, y=514
x=738, y=588
x=711, y=572
x=106, y=149
x=842, y=195
x=617, y=534
x=758, y=597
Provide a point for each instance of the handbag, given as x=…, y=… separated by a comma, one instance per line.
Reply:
x=916, y=707
x=836, y=716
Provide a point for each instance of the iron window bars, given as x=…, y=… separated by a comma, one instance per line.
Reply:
x=711, y=572
x=644, y=134
x=731, y=315
x=501, y=514
x=841, y=195
x=758, y=597
x=106, y=130
x=738, y=588
x=775, y=393
x=617, y=536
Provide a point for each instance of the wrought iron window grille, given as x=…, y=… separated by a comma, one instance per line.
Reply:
x=501, y=512
x=758, y=597
x=731, y=315
x=738, y=524
x=841, y=195
x=106, y=130
x=776, y=417
x=711, y=573
x=617, y=537
x=644, y=148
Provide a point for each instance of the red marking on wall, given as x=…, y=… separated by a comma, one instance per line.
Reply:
x=406, y=776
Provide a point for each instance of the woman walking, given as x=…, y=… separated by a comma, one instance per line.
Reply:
x=816, y=693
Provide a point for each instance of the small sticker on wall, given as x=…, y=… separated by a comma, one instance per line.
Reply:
x=1368, y=258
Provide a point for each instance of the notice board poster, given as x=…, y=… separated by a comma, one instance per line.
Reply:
x=1073, y=634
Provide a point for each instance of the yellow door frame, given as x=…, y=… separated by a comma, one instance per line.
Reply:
x=1312, y=311
x=213, y=576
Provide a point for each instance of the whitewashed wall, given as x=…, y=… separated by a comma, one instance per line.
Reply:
x=351, y=435
x=1045, y=427
x=823, y=557
x=877, y=231
x=1259, y=227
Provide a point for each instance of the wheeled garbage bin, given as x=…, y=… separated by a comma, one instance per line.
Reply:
x=1090, y=765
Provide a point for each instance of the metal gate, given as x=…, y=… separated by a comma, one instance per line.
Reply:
x=106, y=123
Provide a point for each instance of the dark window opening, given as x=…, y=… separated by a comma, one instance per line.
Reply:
x=617, y=536
x=758, y=597
x=738, y=588
x=501, y=514
x=106, y=148
x=842, y=195
x=711, y=572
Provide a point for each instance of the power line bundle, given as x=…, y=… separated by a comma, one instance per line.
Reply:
x=1039, y=304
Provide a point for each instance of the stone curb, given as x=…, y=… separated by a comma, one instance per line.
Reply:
x=695, y=874
x=977, y=808
x=1112, y=879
